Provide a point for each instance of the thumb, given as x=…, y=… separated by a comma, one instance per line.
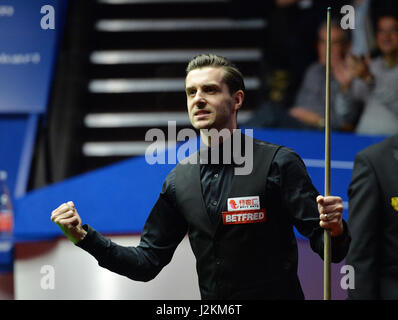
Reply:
x=320, y=199
x=71, y=204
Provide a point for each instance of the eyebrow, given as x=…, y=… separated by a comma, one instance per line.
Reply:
x=204, y=85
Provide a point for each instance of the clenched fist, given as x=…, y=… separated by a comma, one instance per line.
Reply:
x=330, y=210
x=67, y=218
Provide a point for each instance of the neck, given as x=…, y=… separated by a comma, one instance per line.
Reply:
x=214, y=137
x=391, y=59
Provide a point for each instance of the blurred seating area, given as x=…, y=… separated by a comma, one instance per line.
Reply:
x=120, y=69
x=364, y=67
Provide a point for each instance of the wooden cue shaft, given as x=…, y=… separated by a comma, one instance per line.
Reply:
x=327, y=245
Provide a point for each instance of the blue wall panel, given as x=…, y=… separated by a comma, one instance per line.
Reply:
x=27, y=54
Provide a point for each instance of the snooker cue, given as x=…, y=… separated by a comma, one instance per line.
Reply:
x=326, y=233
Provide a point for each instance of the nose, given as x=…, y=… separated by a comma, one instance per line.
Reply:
x=199, y=99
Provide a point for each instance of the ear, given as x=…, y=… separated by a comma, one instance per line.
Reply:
x=238, y=98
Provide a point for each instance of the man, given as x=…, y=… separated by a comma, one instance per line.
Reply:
x=380, y=114
x=240, y=226
x=346, y=102
x=373, y=220
x=291, y=28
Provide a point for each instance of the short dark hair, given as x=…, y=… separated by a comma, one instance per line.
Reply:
x=232, y=76
x=385, y=15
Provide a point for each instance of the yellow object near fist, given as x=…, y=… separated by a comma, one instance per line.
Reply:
x=394, y=203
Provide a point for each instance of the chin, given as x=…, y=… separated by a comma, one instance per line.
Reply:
x=202, y=125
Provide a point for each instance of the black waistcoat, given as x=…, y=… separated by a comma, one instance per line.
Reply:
x=236, y=261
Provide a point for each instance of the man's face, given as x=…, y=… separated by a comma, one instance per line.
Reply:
x=338, y=46
x=387, y=35
x=210, y=105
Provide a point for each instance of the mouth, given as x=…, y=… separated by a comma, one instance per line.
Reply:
x=201, y=114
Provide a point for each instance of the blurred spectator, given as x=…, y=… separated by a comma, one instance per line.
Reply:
x=289, y=27
x=290, y=47
x=366, y=14
x=380, y=115
x=290, y=44
x=345, y=88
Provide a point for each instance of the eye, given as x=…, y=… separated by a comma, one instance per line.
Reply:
x=191, y=92
x=210, y=89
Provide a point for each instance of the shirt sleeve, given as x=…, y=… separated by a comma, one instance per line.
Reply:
x=310, y=93
x=298, y=197
x=162, y=232
x=347, y=106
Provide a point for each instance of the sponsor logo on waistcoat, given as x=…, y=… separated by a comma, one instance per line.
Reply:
x=244, y=210
x=244, y=203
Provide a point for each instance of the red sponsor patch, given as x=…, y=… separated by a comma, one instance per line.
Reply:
x=244, y=216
